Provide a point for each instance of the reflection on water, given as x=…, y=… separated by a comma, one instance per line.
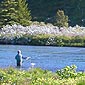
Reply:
x=45, y=57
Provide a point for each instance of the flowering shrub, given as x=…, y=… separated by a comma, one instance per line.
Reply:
x=37, y=76
x=68, y=72
x=42, y=35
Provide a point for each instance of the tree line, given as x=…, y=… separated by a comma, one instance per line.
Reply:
x=18, y=12
x=14, y=12
x=43, y=9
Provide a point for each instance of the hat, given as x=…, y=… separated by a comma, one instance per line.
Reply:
x=19, y=51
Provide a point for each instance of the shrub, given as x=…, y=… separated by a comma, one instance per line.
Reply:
x=68, y=72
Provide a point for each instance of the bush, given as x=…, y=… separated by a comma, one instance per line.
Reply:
x=43, y=39
x=37, y=76
x=68, y=72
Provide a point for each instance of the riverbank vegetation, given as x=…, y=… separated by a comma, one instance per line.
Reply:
x=43, y=40
x=17, y=27
x=37, y=76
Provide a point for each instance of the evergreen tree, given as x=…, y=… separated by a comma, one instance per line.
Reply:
x=14, y=11
x=8, y=12
x=23, y=13
x=61, y=19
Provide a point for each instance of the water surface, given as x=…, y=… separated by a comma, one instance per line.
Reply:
x=45, y=57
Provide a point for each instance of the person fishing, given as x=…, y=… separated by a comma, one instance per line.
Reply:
x=19, y=58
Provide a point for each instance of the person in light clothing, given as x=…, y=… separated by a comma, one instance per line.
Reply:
x=19, y=58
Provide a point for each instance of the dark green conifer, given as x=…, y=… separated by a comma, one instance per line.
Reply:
x=8, y=12
x=14, y=11
x=23, y=13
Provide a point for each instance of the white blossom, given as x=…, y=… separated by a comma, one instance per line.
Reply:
x=43, y=29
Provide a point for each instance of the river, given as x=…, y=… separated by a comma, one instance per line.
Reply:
x=45, y=57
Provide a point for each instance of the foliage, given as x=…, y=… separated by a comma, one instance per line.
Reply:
x=81, y=82
x=62, y=19
x=13, y=76
x=44, y=11
x=37, y=76
x=68, y=72
x=43, y=39
x=14, y=12
x=8, y=12
x=23, y=13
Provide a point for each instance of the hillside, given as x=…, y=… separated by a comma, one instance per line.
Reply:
x=42, y=10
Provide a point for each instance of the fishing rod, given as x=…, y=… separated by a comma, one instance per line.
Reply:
x=31, y=63
x=25, y=59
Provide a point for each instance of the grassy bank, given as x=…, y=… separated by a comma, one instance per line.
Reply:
x=37, y=76
x=43, y=40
